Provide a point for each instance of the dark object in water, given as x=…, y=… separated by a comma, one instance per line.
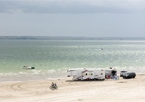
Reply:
x=27, y=67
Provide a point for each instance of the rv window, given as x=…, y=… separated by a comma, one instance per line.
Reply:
x=86, y=73
x=101, y=73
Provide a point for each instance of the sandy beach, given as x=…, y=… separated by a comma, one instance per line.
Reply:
x=122, y=90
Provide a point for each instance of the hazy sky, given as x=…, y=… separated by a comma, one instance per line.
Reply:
x=86, y=18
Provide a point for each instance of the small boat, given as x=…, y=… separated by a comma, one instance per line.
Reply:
x=27, y=67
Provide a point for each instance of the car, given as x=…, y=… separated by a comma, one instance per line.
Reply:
x=122, y=73
x=129, y=75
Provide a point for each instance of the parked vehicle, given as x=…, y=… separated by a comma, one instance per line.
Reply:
x=86, y=74
x=129, y=75
x=91, y=73
x=122, y=73
x=53, y=86
x=110, y=72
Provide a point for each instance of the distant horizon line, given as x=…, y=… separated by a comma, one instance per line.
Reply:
x=68, y=38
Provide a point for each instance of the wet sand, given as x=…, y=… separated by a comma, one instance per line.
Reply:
x=122, y=90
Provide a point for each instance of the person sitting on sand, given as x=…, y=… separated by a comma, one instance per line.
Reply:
x=116, y=77
x=108, y=76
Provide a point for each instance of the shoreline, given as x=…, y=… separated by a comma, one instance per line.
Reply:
x=48, y=78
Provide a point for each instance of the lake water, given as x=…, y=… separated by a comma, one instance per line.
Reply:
x=52, y=58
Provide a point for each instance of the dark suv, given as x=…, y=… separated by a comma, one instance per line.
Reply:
x=129, y=75
x=122, y=73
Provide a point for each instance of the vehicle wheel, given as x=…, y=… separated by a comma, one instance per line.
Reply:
x=52, y=88
x=124, y=78
x=103, y=79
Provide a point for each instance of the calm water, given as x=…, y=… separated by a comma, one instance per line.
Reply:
x=52, y=58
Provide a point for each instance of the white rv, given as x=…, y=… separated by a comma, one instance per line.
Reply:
x=111, y=71
x=86, y=74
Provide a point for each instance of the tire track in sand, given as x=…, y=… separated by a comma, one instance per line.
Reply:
x=17, y=86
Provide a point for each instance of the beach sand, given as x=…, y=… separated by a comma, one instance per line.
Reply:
x=122, y=90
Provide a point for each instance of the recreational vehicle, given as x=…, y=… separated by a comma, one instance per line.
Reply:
x=86, y=74
x=90, y=74
x=111, y=71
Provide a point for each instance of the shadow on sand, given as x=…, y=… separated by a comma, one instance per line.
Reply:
x=82, y=80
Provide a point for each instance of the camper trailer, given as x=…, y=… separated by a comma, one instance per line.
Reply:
x=111, y=71
x=89, y=74
x=86, y=74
